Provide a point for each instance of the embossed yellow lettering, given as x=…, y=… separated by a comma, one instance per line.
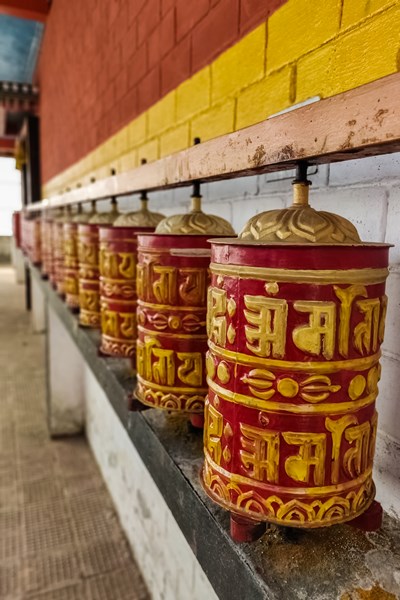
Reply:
x=216, y=319
x=346, y=297
x=260, y=453
x=312, y=453
x=212, y=432
x=191, y=371
x=366, y=332
x=318, y=337
x=266, y=329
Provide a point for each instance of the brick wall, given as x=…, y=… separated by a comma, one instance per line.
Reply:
x=305, y=49
x=104, y=62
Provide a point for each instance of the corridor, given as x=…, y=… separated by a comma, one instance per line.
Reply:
x=60, y=538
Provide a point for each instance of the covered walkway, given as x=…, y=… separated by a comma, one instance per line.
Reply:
x=59, y=535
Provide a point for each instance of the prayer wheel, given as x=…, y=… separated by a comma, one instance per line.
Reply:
x=57, y=275
x=46, y=224
x=118, y=258
x=296, y=315
x=16, y=228
x=30, y=237
x=172, y=279
x=88, y=255
x=71, y=262
x=45, y=234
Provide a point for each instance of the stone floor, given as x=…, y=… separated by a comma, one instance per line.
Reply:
x=60, y=538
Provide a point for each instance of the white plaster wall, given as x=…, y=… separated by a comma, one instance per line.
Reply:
x=38, y=307
x=10, y=194
x=65, y=379
x=366, y=191
x=18, y=262
x=168, y=564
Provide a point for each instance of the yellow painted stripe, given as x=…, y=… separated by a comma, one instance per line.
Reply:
x=307, y=49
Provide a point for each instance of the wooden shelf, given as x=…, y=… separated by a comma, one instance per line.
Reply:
x=361, y=122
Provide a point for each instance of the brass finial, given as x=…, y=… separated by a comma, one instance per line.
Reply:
x=106, y=218
x=300, y=224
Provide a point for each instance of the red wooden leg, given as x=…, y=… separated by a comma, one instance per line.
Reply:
x=370, y=520
x=197, y=420
x=246, y=530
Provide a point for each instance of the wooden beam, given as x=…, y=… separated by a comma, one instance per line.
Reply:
x=35, y=10
x=361, y=122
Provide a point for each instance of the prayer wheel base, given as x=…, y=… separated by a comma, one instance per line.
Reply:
x=246, y=530
x=370, y=520
x=135, y=405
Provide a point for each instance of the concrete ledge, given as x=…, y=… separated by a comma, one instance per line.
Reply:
x=320, y=564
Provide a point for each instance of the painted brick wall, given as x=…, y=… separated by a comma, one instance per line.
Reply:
x=304, y=49
x=104, y=62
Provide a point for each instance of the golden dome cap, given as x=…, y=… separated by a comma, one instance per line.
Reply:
x=84, y=217
x=300, y=224
x=65, y=216
x=196, y=222
x=141, y=218
x=106, y=218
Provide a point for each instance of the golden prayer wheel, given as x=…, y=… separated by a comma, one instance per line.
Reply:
x=16, y=227
x=57, y=275
x=88, y=255
x=71, y=262
x=46, y=232
x=118, y=258
x=296, y=316
x=172, y=279
x=31, y=244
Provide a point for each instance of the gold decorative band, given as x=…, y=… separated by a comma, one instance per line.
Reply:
x=110, y=280
x=292, y=491
x=121, y=339
x=185, y=336
x=321, y=277
x=168, y=388
x=329, y=408
x=332, y=366
x=108, y=300
x=170, y=308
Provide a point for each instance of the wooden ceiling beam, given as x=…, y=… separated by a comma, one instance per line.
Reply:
x=35, y=10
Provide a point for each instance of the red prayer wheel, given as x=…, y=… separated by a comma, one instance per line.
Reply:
x=35, y=241
x=48, y=262
x=30, y=237
x=71, y=261
x=46, y=238
x=296, y=314
x=16, y=227
x=172, y=279
x=57, y=275
x=118, y=301
x=88, y=254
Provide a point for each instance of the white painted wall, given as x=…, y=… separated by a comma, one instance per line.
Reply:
x=366, y=191
x=65, y=370
x=10, y=194
x=169, y=567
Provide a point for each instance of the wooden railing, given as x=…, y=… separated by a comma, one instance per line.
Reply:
x=361, y=122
